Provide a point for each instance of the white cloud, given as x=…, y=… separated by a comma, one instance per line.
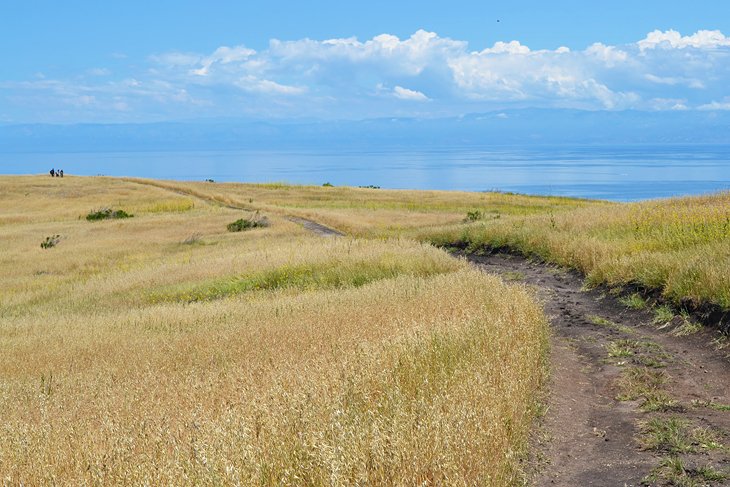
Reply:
x=671, y=39
x=347, y=77
x=512, y=47
x=346, y=71
x=223, y=55
x=672, y=81
x=675, y=104
x=716, y=105
x=406, y=94
x=609, y=55
x=252, y=84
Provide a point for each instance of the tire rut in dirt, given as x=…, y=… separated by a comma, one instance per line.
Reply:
x=597, y=342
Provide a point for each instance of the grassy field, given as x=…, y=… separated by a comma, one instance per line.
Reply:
x=680, y=246
x=377, y=213
x=162, y=349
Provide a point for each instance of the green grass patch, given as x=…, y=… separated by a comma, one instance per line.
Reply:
x=646, y=384
x=663, y=315
x=675, y=435
x=303, y=277
x=670, y=435
x=686, y=326
x=711, y=405
x=621, y=348
x=255, y=221
x=600, y=321
x=633, y=301
x=673, y=471
x=107, y=214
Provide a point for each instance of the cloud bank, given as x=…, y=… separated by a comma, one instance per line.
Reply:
x=389, y=76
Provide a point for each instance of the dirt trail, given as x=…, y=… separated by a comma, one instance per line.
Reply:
x=588, y=436
x=316, y=228
x=311, y=225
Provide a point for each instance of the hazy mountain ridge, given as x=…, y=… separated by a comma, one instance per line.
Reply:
x=509, y=127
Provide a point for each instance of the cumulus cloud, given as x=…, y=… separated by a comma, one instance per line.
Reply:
x=349, y=77
x=671, y=39
x=406, y=94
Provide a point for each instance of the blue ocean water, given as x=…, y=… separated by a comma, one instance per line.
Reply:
x=619, y=173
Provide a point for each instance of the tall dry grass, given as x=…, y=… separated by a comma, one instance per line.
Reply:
x=371, y=212
x=369, y=362
x=680, y=246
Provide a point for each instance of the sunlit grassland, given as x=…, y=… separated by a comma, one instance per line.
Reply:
x=131, y=353
x=680, y=246
x=374, y=212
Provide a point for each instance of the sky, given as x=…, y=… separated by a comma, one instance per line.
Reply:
x=88, y=61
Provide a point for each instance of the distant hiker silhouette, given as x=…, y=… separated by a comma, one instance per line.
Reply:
x=60, y=172
x=53, y=173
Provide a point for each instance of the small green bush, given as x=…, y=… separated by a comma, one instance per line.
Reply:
x=247, y=223
x=107, y=214
x=51, y=241
x=328, y=185
x=472, y=216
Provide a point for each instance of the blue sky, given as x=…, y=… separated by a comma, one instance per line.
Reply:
x=133, y=61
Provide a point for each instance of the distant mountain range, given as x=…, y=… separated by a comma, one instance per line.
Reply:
x=508, y=128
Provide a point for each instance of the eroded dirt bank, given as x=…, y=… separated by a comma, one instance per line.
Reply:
x=631, y=403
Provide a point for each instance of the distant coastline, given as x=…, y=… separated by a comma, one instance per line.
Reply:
x=613, y=172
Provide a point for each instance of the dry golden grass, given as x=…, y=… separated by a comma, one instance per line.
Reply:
x=368, y=362
x=680, y=245
x=371, y=212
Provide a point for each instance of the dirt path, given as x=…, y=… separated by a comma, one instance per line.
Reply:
x=602, y=350
x=316, y=228
x=311, y=225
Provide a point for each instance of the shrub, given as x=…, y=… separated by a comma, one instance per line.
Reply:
x=51, y=241
x=472, y=216
x=328, y=185
x=248, y=223
x=107, y=214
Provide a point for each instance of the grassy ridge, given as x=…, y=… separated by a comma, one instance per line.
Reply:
x=372, y=212
x=680, y=246
x=348, y=360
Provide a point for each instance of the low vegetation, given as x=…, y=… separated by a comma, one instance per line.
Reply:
x=299, y=360
x=254, y=221
x=676, y=246
x=673, y=471
x=50, y=242
x=167, y=350
x=107, y=214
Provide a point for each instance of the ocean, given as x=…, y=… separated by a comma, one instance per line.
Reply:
x=618, y=173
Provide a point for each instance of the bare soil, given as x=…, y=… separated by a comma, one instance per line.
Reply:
x=316, y=228
x=590, y=437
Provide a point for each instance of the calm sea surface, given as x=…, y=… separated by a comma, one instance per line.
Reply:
x=616, y=173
